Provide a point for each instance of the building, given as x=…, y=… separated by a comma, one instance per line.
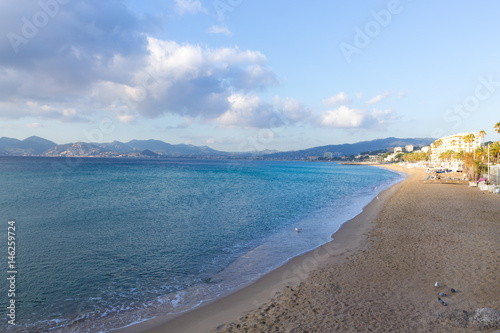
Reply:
x=390, y=157
x=328, y=155
x=426, y=149
x=398, y=150
x=409, y=148
x=455, y=143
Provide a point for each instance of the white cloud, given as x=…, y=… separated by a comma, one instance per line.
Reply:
x=189, y=6
x=33, y=125
x=125, y=117
x=359, y=95
x=44, y=76
x=103, y=60
x=70, y=112
x=382, y=117
x=343, y=117
x=250, y=111
x=218, y=29
x=339, y=99
x=291, y=110
x=378, y=99
x=241, y=112
x=184, y=79
x=233, y=55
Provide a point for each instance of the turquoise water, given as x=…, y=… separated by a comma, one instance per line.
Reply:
x=103, y=243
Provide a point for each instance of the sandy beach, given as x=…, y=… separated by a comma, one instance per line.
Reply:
x=378, y=273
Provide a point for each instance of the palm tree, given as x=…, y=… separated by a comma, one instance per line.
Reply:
x=470, y=168
x=459, y=155
x=497, y=127
x=469, y=138
x=495, y=150
x=480, y=152
x=482, y=133
x=438, y=143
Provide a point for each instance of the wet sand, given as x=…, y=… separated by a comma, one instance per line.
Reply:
x=378, y=273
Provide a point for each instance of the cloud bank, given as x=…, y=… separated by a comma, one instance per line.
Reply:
x=339, y=99
x=68, y=60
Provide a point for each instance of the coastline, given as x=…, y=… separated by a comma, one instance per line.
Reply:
x=350, y=237
x=422, y=234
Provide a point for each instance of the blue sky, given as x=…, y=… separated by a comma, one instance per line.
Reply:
x=240, y=75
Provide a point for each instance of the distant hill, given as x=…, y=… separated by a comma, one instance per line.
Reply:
x=117, y=146
x=78, y=149
x=153, y=145
x=173, y=150
x=149, y=153
x=351, y=148
x=8, y=142
x=36, y=146
x=33, y=145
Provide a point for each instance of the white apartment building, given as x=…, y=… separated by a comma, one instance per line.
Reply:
x=456, y=143
x=409, y=148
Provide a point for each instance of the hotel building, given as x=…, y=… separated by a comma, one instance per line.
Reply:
x=456, y=143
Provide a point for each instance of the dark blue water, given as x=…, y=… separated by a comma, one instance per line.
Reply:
x=102, y=243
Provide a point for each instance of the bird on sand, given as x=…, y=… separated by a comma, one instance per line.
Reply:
x=453, y=290
x=441, y=302
x=436, y=284
x=442, y=294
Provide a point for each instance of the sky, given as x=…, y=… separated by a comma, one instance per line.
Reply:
x=241, y=75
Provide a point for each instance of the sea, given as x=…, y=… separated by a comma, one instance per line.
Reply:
x=102, y=244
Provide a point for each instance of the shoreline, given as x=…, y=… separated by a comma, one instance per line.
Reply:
x=423, y=233
x=350, y=238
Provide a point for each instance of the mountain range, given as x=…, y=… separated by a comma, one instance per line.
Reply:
x=36, y=146
x=352, y=148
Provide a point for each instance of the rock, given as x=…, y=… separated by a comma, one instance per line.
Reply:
x=457, y=318
x=481, y=319
x=485, y=319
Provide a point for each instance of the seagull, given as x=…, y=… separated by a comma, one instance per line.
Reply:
x=442, y=294
x=441, y=301
x=453, y=290
x=298, y=229
x=378, y=198
x=436, y=284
